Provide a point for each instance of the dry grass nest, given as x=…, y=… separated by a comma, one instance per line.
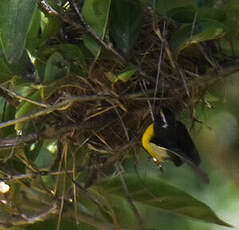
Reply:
x=110, y=118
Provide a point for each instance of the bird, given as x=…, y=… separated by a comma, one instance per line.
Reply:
x=168, y=139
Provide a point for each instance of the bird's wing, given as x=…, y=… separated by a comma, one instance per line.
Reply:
x=185, y=143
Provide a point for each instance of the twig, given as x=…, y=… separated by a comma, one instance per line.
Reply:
x=64, y=105
x=24, y=219
x=8, y=178
x=184, y=82
x=158, y=69
x=144, y=88
x=162, y=39
x=128, y=197
x=194, y=23
x=19, y=97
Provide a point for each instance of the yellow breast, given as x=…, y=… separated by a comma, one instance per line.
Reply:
x=157, y=152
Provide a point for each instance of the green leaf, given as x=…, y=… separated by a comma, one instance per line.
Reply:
x=125, y=22
x=182, y=14
x=7, y=112
x=23, y=68
x=33, y=37
x=5, y=73
x=189, y=13
x=232, y=20
x=203, y=31
x=124, y=76
x=162, y=6
x=151, y=192
x=46, y=154
x=56, y=68
x=96, y=14
x=50, y=27
x=26, y=108
x=15, y=18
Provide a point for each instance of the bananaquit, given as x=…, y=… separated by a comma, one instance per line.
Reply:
x=168, y=139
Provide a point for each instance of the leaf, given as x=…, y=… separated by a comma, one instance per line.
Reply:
x=56, y=68
x=151, y=192
x=5, y=73
x=124, y=76
x=125, y=22
x=182, y=14
x=232, y=19
x=33, y=37
x=189, y=13
x=23, y=68
x=96, y=14
x=15, y=18
x=162, y=6
x=46, y=154
x=26, y=108
x=7, y=112
x=204, y=31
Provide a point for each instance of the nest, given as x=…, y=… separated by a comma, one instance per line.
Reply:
x=118, y=113
x=103, y=121
x=114, y=118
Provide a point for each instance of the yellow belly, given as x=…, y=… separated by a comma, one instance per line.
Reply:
x=157, y=152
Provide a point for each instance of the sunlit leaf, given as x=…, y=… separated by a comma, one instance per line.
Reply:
x=15, y=18
x=124, y=76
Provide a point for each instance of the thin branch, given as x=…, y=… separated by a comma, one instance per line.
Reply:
x=19, y=97
x=65, y=104
x=24, y=219
x=129, y=198
x=184, y=82
x=10, y=178
x=162, y=39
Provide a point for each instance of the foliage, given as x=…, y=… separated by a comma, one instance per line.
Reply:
x=74, y=79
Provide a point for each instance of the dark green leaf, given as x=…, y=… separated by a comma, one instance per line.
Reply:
x=151, y=192
x=7, y=112
x=189, y=13
x=23, y=68
x=125, y=22
x=50, y=27
x=203, y=31
x=182, y=14
x=15, y=18
x=56, y=68
x=5, y=73
x=162, y=6
x=232, y=20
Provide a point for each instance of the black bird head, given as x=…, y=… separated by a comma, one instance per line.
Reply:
x=165, y=118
